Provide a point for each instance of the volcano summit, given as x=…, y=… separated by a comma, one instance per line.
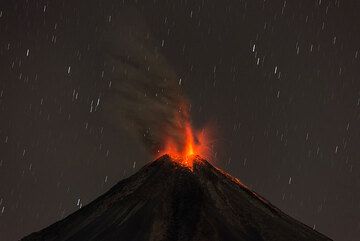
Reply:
x=168, y=201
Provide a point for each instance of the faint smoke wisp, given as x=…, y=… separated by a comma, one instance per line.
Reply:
x=144, y=94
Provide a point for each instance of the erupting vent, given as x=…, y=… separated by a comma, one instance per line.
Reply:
x=195, y=146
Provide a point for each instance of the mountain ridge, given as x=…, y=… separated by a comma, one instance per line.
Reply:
x=167, y=201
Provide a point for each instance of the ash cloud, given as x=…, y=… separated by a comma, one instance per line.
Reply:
x=143, y=94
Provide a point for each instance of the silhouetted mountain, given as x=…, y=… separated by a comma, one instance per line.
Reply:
x=166, y=201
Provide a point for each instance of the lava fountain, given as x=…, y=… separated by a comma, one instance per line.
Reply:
x=195, y=144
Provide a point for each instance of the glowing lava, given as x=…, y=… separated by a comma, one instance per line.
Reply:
x=195, y=144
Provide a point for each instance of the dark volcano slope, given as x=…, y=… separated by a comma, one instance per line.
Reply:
x=165, y=201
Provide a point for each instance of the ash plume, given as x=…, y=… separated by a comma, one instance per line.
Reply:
x=144, y=94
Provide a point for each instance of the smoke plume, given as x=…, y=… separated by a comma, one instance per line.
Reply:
x=144, y=94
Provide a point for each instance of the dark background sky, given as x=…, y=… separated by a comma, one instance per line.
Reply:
x=278, y=79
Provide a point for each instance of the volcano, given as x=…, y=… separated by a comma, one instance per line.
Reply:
x=168, y=201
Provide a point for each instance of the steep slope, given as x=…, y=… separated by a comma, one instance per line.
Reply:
x=167, y=201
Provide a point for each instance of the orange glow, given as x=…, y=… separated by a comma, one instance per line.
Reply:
x=195, y=144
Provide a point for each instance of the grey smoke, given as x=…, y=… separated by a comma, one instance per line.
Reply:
x=144, y=94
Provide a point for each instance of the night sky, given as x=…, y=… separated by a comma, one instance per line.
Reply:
x=277, y=80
